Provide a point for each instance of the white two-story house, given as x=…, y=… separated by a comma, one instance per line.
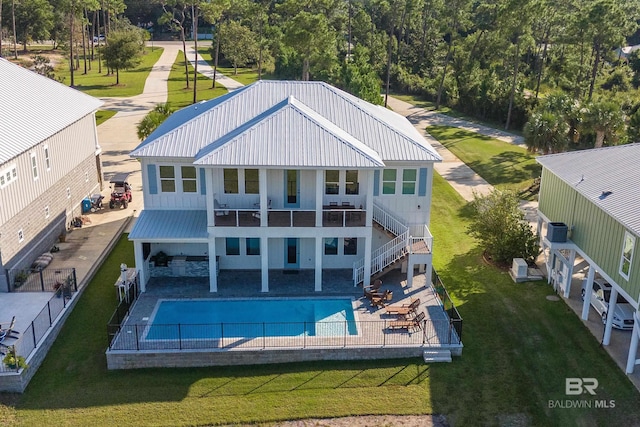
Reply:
x=283, y=175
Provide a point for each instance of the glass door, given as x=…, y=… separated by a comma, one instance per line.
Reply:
x=291, y=253
x=292, y=189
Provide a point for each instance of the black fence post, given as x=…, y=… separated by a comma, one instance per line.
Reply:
x=137, y=338
x=75, y=280
x=41, y=280
x=33, y=332
x=49, y=310
x=179, y=337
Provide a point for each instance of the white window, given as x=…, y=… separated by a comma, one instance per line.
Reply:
x=389, y=181
x=409, y=181
x=627, y=254
x=351, y=182
x=46, y=211
x=86, y=177
x=167, y=179
x=47, y=159
x=20, y=235
x=332, y=182
x=8, y=175
x=251, y=181
x=230, y=181
x=68, y=193
x=34, y=166
x=189, y=184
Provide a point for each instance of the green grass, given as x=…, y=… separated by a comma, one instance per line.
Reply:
x=179, y=95
x=102, y=85
x=104, y=115
x=503, y=165
x=418, y=101
x=519, y=348
x=246, y=76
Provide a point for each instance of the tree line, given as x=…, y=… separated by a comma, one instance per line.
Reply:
x=553, y=66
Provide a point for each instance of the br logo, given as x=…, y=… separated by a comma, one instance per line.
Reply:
x=577, y=386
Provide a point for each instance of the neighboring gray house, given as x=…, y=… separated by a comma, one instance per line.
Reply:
x=49, y=162
x=595, y=194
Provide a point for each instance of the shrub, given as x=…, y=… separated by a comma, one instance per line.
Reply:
x=500, y=226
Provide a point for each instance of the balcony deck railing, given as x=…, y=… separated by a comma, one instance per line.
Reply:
x=289, y=217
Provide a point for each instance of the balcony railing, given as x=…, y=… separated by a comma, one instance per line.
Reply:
x=338, y=217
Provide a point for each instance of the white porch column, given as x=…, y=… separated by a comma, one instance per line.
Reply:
x=409, y=273
x=369, y=204
x=319, y=252
x=264, y=267
x=587, y=293
x=428, y=272
x=612, y=306
x=264, y=198
x=213, y=266
x=633, y=347
x=367, y=259
x=572, y=260
x=140, y=266
x=209, y=197
x=319, y=194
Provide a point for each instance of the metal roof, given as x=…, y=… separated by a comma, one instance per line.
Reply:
x=170, y=225
x=388, y=134
x=273, y=139
x=34, y=107
x=608, y=176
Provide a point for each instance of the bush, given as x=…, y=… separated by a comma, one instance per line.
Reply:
x=502, y=229
x=12, y=361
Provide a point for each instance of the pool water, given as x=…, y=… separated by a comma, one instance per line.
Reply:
x=201, y=319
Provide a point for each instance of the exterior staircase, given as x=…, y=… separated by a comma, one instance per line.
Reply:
x=387, y=257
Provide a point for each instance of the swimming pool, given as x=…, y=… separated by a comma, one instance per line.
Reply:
x=202, y=319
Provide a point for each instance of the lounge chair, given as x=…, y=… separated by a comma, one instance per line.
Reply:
x=8, y=333
x=415, y=323
x=404, y=309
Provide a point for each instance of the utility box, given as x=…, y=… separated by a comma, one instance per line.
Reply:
x=519, y=270
x=557, y=232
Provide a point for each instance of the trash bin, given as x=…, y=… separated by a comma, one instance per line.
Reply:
x=557, y=232
x=86, y=205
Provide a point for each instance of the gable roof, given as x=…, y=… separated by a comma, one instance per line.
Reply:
x=594, y=173
x=321, y=108
x=34, y=107
x=273, y=139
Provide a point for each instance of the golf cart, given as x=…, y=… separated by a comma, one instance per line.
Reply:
x=120, y=191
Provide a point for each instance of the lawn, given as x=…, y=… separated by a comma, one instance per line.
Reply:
x=503, y=165
x=179, y=95
x=246, y=76
x=103, y=85
x=519, y=348
x=104, y=115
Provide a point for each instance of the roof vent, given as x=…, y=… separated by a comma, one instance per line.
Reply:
x=605, y=194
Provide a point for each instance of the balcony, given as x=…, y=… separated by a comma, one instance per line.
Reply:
x=334, y=217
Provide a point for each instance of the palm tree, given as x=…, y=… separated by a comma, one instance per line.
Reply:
x=606, y=119
x=151, y=121
x=547, y=132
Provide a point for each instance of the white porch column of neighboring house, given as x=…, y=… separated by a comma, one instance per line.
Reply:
x=409, y=273
x=572, y=260
x=213, y=266
x=367, y=261
x=587, y=293
x=264, y=197
x=140, y=265
x=319, y=195
x=633, y=347
x=613, y=299
x=318, y=271
x=264, y=263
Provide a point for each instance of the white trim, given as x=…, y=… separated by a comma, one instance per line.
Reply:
x=34, y=166
x=8, y=175
x=46, y=211
x=47, y=158
x=20, y=236
x=632, y=238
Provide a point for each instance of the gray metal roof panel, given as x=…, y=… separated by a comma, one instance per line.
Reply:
x=273, y=139
x=596, y=172
x=34, y=107
x=170, y=224
x=363, y=121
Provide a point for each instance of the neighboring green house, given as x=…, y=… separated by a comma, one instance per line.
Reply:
x=596, y=195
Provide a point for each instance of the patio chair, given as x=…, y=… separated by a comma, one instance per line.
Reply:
x=404, y=309
x=412, y=324
x=7, y=333
x=372, y=288
x=220, y=209
x=380, y=299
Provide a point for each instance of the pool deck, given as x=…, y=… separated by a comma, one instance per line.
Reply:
x=374, y=340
